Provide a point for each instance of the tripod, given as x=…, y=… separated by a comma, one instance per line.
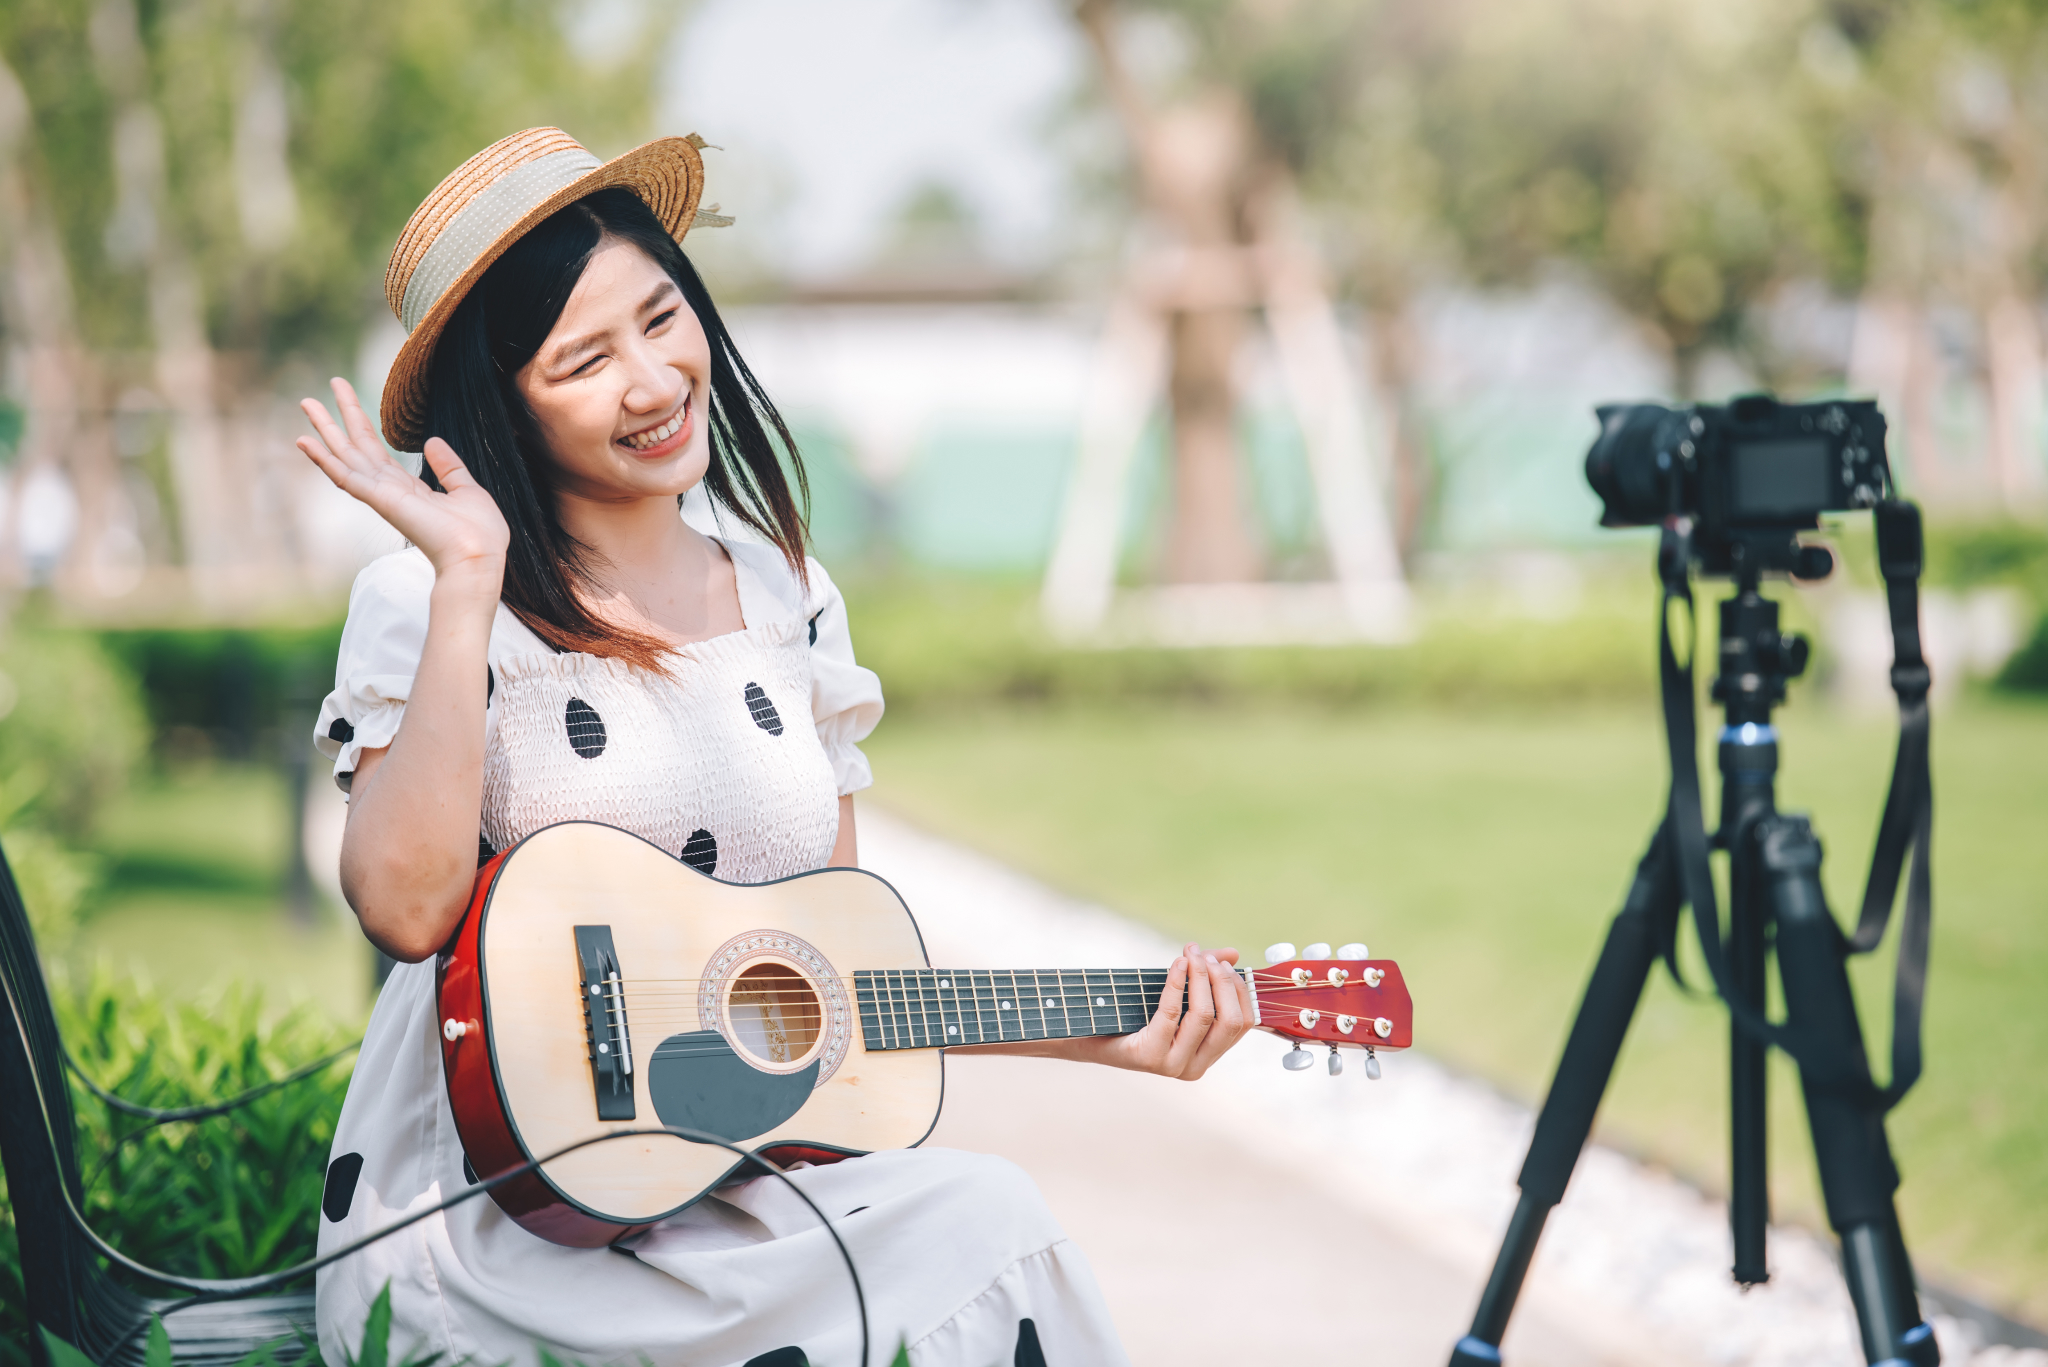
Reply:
x=1775, y=902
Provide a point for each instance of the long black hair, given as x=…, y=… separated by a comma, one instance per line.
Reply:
x=474, y=404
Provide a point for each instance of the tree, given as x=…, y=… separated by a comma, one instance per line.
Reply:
x=221, y=181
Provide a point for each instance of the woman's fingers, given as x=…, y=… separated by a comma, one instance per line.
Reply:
x=1199, y=1018
x=359, y=428
x=316, y=451
x=446, y=465
x=1233, y=1018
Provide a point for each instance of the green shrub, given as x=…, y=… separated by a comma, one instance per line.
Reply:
x=960, y=642
x=71, y=728
x=231, y=1196
x=243, y=688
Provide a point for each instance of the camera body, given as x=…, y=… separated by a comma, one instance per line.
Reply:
x=1753, y=474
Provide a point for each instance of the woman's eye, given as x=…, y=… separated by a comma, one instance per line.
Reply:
x=586, y=367
x=661, y=320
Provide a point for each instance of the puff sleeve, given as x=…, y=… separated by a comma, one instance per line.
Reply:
x=380, y=652
x=846, y=699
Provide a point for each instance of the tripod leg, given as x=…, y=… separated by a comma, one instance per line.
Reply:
x=1567, y=1117
x=1749, y=1199
x=1857, y=1176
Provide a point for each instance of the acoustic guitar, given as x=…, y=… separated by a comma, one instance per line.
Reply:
x=598, y=983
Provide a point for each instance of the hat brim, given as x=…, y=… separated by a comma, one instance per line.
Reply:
x=668, y=176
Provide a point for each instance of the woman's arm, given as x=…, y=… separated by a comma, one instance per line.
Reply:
x=1179, y=1041
x=408, y=855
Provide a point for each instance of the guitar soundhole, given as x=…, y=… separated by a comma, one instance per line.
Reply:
x=774, y=1013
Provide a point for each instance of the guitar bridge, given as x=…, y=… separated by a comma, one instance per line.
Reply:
x=609, y=1039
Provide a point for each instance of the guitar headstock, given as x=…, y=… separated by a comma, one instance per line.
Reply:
x=1345, y=1000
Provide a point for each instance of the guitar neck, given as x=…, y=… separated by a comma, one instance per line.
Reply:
x=931, y=1008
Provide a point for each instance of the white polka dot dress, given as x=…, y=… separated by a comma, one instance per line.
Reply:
x=735, y=766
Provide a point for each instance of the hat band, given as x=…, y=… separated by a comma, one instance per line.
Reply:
x=481, y=222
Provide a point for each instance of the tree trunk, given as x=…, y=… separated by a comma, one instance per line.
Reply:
x=2012, y=349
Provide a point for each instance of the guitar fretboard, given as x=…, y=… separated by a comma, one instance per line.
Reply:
x=930, y=1008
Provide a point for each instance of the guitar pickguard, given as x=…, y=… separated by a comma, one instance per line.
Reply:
x=698, y=1082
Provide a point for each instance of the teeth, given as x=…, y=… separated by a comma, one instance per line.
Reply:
x=640, y=441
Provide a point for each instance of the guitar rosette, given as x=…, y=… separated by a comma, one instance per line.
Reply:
x=778, y=1001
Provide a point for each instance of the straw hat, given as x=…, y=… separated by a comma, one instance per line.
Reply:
x=485, y=206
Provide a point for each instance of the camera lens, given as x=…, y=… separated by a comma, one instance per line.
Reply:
x=1631, y=463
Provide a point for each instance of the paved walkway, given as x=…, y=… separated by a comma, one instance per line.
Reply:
x=1262, y=1216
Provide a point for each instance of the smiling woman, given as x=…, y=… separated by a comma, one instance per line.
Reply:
x=557, y=644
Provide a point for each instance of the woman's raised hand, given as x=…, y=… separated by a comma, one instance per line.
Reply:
x=460, y=531
x=1183, y=1040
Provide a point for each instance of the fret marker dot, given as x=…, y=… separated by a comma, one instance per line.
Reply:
x=1051, y=1005
x=1099, y=1001
x=952, y=1030
x=945, y=984
x=1003, y=1005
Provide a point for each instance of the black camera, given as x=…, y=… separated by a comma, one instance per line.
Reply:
x=1752, y=474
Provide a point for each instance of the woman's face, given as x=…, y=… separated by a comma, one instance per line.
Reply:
x=620, y=385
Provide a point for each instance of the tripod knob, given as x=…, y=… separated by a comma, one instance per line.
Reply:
x=1792, y=654
x=1296, y=1059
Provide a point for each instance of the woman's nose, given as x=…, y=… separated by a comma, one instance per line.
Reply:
x=653, y=385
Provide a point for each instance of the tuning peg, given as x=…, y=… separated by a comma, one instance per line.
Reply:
x=1296, y=1059
x=1280, y=953
x=1372, y=1065
x=1354, y=950
x=1336, y=1061
x=1319, y=950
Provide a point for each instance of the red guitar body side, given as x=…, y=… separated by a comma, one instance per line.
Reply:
x=479, y=1105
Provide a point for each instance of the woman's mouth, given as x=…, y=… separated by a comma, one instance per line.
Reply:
x=663, y=439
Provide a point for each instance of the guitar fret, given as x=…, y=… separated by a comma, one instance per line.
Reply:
x=918, y=983
x=947, y=1019
x=1103, y=1017
x=899, y=1010
x=980, y=1027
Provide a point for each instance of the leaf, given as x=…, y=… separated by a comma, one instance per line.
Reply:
x=376, y=1346
x=902, y=1358
x=63, y=1354
x=157, y=1351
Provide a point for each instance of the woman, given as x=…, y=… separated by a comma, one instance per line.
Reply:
x=572, y=381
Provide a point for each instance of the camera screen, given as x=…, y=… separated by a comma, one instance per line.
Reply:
x=1781, y=478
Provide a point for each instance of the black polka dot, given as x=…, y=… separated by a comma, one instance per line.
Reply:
x=1029, y=1354
x=585, y=727
x=341, y=1186
x=851, y=1213
x=781, y=1357
x=814, y=625
x=700, y=852
x=490, y=685
x=468, y=1172
x=765, y=715
x=341, y=731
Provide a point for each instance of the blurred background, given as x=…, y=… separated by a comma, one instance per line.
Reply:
x=1193, y=394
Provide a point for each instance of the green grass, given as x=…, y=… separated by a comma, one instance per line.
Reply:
x=194, y=896
x=1487, y=849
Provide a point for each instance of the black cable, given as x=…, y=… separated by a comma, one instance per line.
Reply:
x=209, y=1289
x=162, y=1115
